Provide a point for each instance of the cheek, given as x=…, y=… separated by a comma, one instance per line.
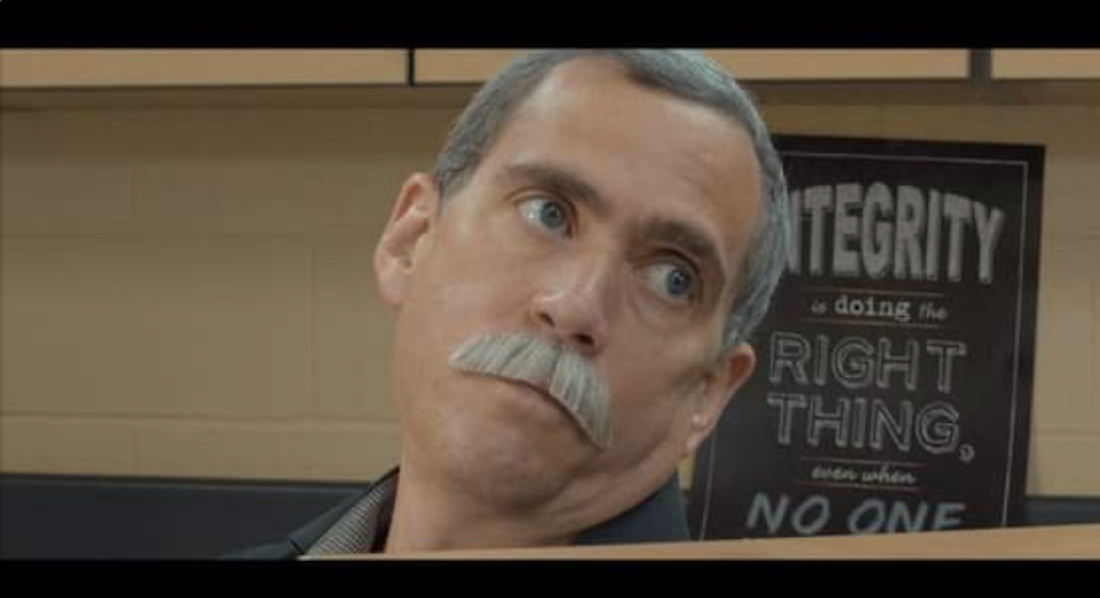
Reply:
x=652, y=398
x=467, y=262
x=481, y=248
x=470, y=283
x=671, y=363
x=657, y=378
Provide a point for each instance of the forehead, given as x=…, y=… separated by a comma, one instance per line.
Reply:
x=660, y=155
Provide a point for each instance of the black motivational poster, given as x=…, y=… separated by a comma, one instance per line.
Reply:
x=892, y=391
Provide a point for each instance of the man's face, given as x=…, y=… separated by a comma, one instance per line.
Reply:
x=607, y=217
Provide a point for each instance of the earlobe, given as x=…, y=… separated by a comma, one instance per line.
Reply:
x=402, y=240
x=719, y=386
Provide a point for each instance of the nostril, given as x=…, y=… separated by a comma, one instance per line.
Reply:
x=563, y=332
x=585, y=340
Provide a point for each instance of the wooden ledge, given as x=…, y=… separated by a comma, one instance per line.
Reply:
x=1056, y=542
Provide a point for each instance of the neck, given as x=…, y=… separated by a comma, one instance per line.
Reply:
x=432, y=513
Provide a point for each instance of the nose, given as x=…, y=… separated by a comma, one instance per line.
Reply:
x=572, y=309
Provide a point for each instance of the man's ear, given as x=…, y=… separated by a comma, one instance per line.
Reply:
x=405, y=236
x=719, y=385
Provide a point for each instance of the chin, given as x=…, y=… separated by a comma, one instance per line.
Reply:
x=507, y=464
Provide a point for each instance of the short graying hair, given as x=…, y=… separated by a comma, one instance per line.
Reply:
x=684, y=74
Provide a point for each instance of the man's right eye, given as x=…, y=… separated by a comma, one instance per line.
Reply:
x=547, y=214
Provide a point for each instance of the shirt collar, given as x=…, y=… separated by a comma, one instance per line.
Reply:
x=362, y=528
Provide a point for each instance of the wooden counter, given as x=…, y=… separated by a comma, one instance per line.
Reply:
x=1058, y=542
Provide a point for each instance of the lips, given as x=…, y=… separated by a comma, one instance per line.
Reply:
x=533, y=388
x=542, y=394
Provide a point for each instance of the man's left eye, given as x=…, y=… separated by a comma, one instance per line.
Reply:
x=672, y=281
x=547, y=214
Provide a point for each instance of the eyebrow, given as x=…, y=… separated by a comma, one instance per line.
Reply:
x=558, y=180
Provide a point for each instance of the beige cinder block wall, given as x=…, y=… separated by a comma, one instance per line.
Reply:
x=187, y=292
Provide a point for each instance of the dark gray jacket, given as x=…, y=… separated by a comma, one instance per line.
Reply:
x=659, y=518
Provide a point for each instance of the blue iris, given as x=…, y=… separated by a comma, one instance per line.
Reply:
x=678, y=282
x=551, y=215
